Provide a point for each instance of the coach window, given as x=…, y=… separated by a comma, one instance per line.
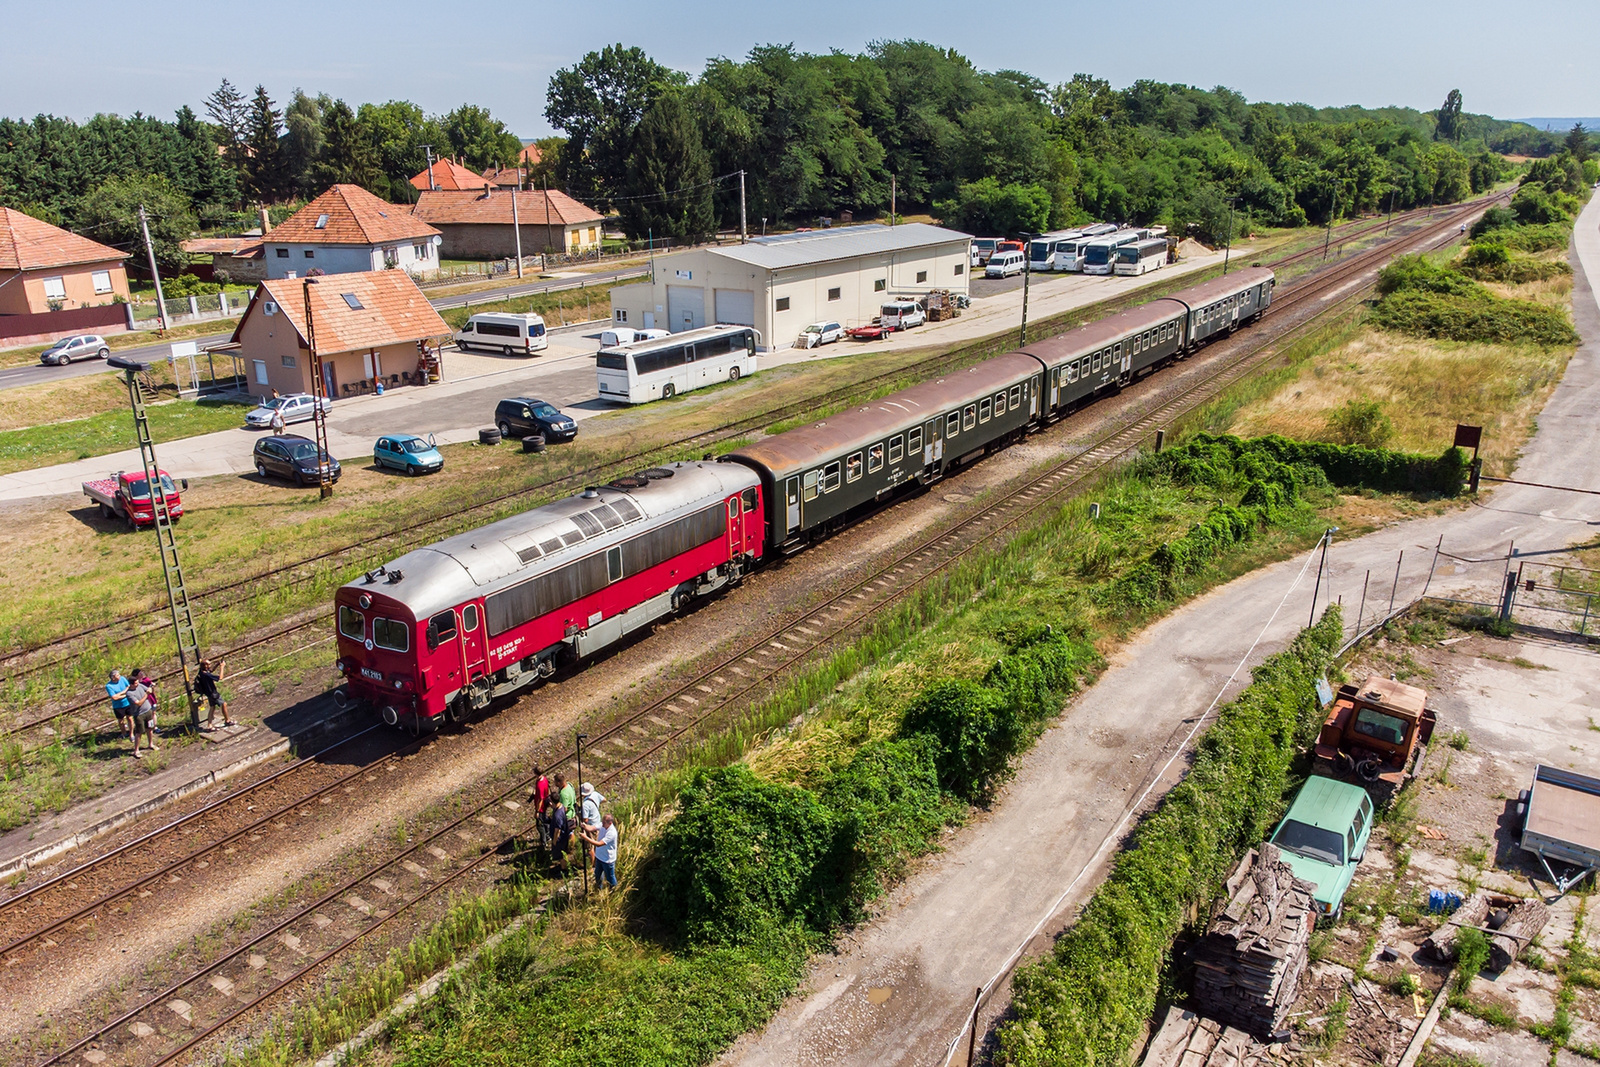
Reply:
x=852, y=467
x=1094, y=366
x=952, y=424
x=969, y=416
x=999, y=403
x=469, y=618
x=351, y=623
x=1072, y=371
x=875, y=457
x=830, y=477
x=749, y=497
x=614, y=560
x=1016, y=396
x=441, y=628
x=914, y=440
x=393, y=635
x=985, y=409
x=895, y=449
x=809, y=484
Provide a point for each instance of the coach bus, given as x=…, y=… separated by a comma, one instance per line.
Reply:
x=643, y=371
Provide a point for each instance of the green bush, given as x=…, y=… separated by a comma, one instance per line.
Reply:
x=976, y=730
x=1492, y=320
x=1414, y=273
x=1088, y=1001
x=1536, y=238
x=1496, y=218
x=188, y=285
x=1535, y=205
x=1492, y=261
x=1361, y=422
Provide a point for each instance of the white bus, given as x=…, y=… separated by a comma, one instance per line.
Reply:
x=507, y=332
x=1041, y=249
x=643, y=371
x=1068, y=252
x=1097, y=255
x=1141, y=257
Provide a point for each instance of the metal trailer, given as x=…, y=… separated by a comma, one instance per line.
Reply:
x=815, y=477
x=1560, y=817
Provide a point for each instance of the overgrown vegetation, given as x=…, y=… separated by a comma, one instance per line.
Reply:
x=1089, y=999
x=1426, y=300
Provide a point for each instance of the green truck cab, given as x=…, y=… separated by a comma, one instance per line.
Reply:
x=1324, y=836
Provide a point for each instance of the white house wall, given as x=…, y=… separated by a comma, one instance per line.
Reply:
x=347, y=259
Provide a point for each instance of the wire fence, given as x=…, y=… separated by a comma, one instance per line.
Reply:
x=200, y=308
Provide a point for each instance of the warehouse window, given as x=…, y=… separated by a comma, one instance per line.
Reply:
x=852, y=467
x=914, y=440
x=783, y=303
x=961, y=268
x=621, y=314
x=880, y=285
x=896, y=449
x=922, y=276
x=875, y=457
x=833, y=294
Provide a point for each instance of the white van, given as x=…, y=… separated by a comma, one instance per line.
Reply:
x=901, y=315
x=622, y=335
x=500, y=331
x=1004, y=265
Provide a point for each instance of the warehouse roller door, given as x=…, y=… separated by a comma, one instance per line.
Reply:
x=686, y=308
x=736, y=306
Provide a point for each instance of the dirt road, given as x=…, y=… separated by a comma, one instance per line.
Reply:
x=902, y=987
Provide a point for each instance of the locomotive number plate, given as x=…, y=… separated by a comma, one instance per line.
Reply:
x=368, y=672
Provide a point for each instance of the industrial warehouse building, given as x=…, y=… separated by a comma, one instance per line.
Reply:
x=783, y=283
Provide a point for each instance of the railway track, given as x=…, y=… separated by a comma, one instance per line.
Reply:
x=169, y=1025
x=65, y=719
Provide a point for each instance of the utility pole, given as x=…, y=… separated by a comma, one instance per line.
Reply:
x=542, y=263
x=427, y=151
x=516, y=226
x=150, y=250
x=651, y=232
x=1390, y=219
x=583, y=849
x=1228, y=248
x=319, y=393
x=891, y=199
x=743, y=235
x=1334, y=210
x=1327, y=535
x=1027, y=273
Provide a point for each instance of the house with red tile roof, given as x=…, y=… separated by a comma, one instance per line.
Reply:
x=481, y=225
x=506, y=177
x=44, y=268
x=367, y=326
x=347, y=230
x=448, y=175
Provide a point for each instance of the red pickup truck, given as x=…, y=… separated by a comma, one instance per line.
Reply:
x=125, y=496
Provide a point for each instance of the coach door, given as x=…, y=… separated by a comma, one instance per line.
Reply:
x=735, y=532
x=1055, y=387
x=933, y=449
x=791, y=497
x=472, y=642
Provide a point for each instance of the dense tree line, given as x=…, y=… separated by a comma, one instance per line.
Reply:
x=918, y=126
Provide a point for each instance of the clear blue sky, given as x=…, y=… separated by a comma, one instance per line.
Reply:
x=1510, y=59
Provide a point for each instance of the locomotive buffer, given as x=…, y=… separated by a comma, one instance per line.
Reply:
x=171, y=569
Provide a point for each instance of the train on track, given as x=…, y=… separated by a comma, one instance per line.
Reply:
x=439, y=633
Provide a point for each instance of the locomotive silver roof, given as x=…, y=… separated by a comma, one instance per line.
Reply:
x=503, y=553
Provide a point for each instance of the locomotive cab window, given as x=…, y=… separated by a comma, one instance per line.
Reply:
x=952, y=424
x=614, y=558
x=469, y=618
x=830, y=477
x=914, y=440
x=969, y=416
x=852, y=467
x=393, y=634
x=810, y=484
x=874, y=457
x=894, y=449
x=352, y=623
x=985, y=409
x=749, y=497
x=441, y=628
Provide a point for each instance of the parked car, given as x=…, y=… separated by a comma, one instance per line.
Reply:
x=820, y=333
x=982, y=249
x=294, y=458
x=408, y=453
x=523, y=416
x=1324, y=837
x=81, y=346
x=296, y=407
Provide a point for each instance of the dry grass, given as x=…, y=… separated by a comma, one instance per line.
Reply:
x=1425, y=387
x=1556, y=292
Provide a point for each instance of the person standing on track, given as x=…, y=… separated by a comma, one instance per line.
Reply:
x=140, y=676
x=540, y=799
x=206, y=686
x=143, y=709
x=604, y=841
x=117, y=689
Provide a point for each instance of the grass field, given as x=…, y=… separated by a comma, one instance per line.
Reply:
x=22, y=357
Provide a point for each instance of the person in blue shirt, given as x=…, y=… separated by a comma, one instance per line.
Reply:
x=117, y=690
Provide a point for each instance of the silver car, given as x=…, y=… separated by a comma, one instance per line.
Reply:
x=81, y=346
x=296, y=407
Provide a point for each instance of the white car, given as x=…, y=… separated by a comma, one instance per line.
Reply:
x=820, y=333
x=296, y=407
x=82, y=346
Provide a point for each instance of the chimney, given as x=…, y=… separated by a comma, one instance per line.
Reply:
x=266, y=220
x=488, y=190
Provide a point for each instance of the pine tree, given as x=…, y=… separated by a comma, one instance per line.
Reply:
x=1578, y=142
x=264, y=177
x=1448, y=127
x=227, y=110
x=669, y=182
x=347, y=155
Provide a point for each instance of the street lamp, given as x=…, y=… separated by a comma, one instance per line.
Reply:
x=583, y=846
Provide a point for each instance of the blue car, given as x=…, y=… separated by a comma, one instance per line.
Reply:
x=407, y=453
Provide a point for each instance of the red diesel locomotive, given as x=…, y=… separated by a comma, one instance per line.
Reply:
x=445, y=629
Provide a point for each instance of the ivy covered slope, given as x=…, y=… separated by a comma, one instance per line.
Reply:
x=1088, y=1001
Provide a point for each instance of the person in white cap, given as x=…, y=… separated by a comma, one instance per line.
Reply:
x=591, y=806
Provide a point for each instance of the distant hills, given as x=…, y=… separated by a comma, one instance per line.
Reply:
x=1560, y=125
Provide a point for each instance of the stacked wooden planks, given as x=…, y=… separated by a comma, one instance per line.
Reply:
x=1248, y=964
x=1188, y=1040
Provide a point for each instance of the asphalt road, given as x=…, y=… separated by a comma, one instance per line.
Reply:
x=12, y=377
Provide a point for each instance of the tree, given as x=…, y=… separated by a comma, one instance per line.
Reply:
x=264, y=161
x=396, y=132
x=479, y=139
x=110, y=211
x=347, y=156
x=987, y=207
x=597, y=102
x=302, y=143
x=204, y=176
x=1578, y=142
x=669, y=176
x=227, y=109
x=1448, y=126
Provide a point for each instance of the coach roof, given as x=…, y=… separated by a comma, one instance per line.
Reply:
x=479, y=562
x=806, y=446
x=1096, y=335
x=1209, y=292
